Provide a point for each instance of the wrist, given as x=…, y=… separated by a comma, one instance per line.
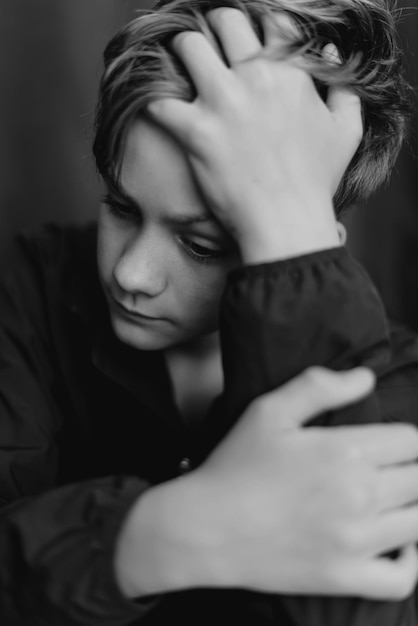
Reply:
x=168, y=542
x=283, y=237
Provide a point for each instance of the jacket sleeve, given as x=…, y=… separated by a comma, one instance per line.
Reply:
x=321, y=309
x=56, y=543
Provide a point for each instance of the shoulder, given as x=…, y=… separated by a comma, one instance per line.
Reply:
x=53, y=246
x=41, y=267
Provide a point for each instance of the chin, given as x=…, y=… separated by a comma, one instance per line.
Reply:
x=140, y=338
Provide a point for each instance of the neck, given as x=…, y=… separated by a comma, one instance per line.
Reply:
x=196, y=373
x=201, y=347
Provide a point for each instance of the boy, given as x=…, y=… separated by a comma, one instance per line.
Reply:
x=111, y=534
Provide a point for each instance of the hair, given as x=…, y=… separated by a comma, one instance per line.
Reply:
x=139, y=67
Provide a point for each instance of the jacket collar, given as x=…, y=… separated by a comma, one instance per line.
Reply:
x=143, y=373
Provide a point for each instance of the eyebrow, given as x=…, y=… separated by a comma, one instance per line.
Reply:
x=181, y=220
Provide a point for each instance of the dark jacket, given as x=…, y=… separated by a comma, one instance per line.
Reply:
x=87, y=423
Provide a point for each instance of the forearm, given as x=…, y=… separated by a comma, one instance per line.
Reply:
x=280, y=319
x=277, y=319
x=170, y=541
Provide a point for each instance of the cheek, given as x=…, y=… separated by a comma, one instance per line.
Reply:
x=109, y=246
x=200, y=293
x=209, y=293
x=205, y=285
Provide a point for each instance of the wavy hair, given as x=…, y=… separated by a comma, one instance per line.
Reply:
x=139, y=66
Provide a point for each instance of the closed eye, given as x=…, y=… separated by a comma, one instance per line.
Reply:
x=119, y=209
x=200, y=253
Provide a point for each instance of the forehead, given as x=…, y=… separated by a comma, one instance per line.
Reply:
x=155, y=173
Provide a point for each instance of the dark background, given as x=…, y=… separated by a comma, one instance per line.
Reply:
x=50, y=64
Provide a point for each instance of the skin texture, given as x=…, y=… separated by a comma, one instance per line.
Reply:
x=274, y=500
x=237, y=155
x=268, y=165
x=262, y=152
x=148, y=263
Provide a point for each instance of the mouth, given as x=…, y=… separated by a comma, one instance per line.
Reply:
x=133, y=315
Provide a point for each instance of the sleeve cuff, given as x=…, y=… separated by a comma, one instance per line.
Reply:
x=114, y=518
x=338, y=254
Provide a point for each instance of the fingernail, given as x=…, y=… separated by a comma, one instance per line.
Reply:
x=366, y=373
x=152, y=107
x=331, y=54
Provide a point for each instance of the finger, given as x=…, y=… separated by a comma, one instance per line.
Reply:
x=175, y=116
x=235, y=33
x=280, y=31
x=316, y=391
x=397, y=487
x=391, y=530
x=381, y=444
x=331, y=54
x=390, y=444
x=386, y=579
x=205, y=67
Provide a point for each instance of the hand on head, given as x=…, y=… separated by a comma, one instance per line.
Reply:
x=267, y=152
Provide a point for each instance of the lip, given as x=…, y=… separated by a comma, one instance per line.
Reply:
x=133, y=314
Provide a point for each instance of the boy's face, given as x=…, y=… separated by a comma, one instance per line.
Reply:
x=162, y=258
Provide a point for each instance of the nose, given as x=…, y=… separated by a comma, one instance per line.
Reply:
x=140, y=268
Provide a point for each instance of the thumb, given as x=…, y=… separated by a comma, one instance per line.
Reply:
x=316, y=391
x=173, y=114
x=389, y=579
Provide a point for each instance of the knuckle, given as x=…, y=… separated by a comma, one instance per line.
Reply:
x=412, y=580
x=347, y=539
x=284, y=24
x=262, y=77
x=201, y=133
x=318, y=378
x=298, y=74
x=234, y=98
x=404, y=578
x=352, y=495
x=404, y=586
x=359, y=498
x=338, y=579
x=411, y=432
x=351, y=453
x=406, y=433
x=224, y=15
x=265, y=407
x=183, y=40
x=295, y=78
x=333, y=451
x=343, y=455
x=256, y=406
